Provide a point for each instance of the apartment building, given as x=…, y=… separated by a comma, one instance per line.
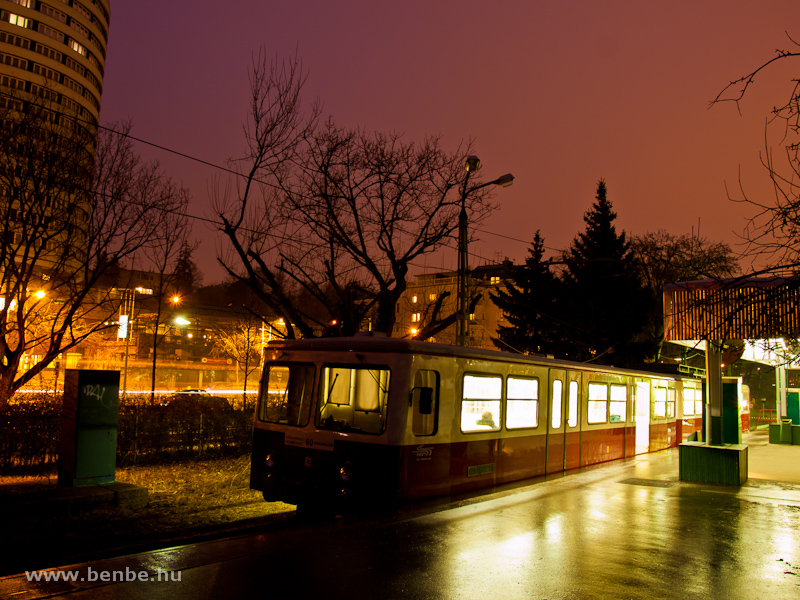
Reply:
x=431, y=297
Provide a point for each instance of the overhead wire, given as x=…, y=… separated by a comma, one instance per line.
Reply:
x=238, y=174
x=231, y=172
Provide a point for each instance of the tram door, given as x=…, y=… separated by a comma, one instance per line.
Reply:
x=572, y=437
x=642, y=400
x=556, y=422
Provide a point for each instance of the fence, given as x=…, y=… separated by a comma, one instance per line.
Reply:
x=146, y=433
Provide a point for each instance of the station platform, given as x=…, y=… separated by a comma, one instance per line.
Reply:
x=773, y=462
x=626, y=529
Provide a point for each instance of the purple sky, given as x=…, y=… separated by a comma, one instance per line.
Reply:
x=558, y=93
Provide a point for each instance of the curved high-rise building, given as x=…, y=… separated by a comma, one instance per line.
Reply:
x=52, y=60
x=59, y=45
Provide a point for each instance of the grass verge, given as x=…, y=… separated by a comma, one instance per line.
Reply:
x=187, y=499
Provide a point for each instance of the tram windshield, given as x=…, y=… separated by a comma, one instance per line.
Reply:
x=353, y=398
x=286, y=394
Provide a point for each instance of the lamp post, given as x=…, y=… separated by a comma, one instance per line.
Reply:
x=128, y=328
x=129, y=302
x=473, y=164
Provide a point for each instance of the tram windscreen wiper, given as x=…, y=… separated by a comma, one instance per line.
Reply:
x=330, y=389
x=372, y=374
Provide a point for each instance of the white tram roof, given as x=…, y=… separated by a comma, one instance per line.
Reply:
x=371, y=343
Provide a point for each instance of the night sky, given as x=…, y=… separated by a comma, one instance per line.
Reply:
x=558, y=93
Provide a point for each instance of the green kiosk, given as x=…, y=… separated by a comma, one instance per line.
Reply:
x=721, y=458
x=89, y=428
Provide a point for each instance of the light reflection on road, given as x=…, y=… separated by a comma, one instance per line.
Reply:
x=598, y=534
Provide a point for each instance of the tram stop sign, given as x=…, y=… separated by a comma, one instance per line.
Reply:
x=88, y=445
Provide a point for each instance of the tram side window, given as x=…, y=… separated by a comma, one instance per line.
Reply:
x=353, y=399
x=660, y=402
x=572, y=408
x=598, y=403
x=286, y=394
x=522, y=406
x=618, y=407
x=425, y=403
x=688, y=402
x=480, y=404
x=555, y=401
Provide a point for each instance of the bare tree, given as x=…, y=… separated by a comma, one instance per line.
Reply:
x=773, y=233
x=340, y=215
x=761, y=303
x=162, y=255
x=663, y=258
x=74, y=205
x=242, y=342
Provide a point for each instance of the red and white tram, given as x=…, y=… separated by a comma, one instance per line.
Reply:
x=348, y=418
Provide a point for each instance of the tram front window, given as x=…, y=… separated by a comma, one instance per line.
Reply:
x=286, y=394
x=353, y=399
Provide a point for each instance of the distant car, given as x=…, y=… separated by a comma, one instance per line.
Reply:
x=195, y=399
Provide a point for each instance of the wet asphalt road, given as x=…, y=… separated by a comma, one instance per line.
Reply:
x=628, y=530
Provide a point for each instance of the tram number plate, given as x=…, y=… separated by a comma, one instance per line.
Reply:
x=306, y=441
x=475, y=470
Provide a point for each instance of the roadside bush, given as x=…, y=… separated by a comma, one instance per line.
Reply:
x=147, y=433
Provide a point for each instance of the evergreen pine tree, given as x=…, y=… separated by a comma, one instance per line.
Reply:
x=608, y=305
x=186, y=277
x=528, y=300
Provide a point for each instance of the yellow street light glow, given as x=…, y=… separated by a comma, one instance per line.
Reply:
x=176, y=299
x=414, y=331
x=182, y=321
x=40, y=294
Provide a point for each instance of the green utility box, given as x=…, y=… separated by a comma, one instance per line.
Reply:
x=793, y=407
x=786, y=431
x=88, y=445
x=726, y=464
x=731, y=415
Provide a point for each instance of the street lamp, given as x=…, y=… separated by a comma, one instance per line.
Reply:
x=128, y=327
x=473, y=163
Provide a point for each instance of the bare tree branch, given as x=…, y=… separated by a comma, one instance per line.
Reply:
x=342, y=213
x=75, y=204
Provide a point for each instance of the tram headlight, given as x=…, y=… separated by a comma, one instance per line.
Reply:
x=345, y=472
x=271, y=461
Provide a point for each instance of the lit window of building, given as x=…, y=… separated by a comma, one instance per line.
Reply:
x=17, y=20
x=78, y=48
